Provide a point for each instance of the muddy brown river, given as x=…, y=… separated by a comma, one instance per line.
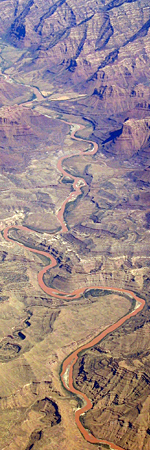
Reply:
x=66, y=374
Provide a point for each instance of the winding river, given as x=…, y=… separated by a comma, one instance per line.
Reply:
x=66, y=374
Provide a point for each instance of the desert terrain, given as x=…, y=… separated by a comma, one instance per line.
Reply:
x=75, y=225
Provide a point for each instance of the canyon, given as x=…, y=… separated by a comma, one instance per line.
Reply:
x=74, y=187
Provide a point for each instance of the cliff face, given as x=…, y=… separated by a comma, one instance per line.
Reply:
x=77, y=39
x=130, y=140
x=135, y=135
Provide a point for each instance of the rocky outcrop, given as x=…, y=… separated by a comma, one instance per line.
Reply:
x=133, y=137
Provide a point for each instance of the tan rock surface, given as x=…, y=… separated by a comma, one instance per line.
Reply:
x=86, y=63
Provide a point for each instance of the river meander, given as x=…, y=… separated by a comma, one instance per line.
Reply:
x=66, y=374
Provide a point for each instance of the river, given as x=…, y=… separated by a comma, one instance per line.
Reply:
x=66, y=374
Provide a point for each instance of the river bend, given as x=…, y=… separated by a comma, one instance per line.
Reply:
x=66, y=374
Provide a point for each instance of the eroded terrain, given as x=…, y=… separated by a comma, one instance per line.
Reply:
x=89, y=65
